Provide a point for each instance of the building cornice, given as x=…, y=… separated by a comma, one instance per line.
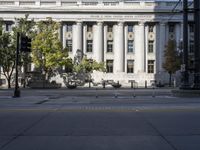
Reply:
x=96, y=10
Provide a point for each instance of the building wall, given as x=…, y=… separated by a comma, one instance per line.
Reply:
x=152, y=24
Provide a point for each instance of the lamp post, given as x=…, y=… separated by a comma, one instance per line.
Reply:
x=196, y=44
x=17, y=90
x=185, y=74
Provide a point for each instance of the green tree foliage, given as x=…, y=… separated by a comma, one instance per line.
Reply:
x=88, y=66
x=172, y=59
x=84, y=69
x=7, y=54
x=26, y=27
x=47, y=51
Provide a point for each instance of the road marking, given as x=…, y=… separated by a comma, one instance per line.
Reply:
x=103, y=109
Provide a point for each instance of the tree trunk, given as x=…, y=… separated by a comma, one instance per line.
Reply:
x=9, y=84
x=170, y=79
x=24, y=77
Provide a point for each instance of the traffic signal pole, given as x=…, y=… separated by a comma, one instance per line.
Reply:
x=197, y=44
x=185, y=74
x=17, y=90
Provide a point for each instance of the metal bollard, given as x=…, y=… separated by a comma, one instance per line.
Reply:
x=96, y=93
x=104, y=84
x=134, y=94
x=153, y=93
x=116, y=93
x=89, y=84
x=145, y=84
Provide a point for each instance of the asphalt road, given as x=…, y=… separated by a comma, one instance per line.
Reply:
x=53, y=120
x=81, y=130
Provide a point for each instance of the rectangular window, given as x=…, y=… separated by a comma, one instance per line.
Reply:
x=130, y=28
x=191, y=64
x=151, y=28
x=110, y=28
x=8, y=27
x=70, y=3
x=191, y=27
x=109, y=66
x=89, y=3
x=110, y=3
x=69, y=28
x=29, y=67
x=89, y=45
x=150, y=66
x=7, y=2
x=130, y=66
x=130, y=46
x=171, y=28
x=89, y=28
x=150, y=46
x=27, y=3
x=191, y=50
x=110, y=46
x=69, y=45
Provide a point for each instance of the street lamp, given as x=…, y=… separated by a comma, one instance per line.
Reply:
x=17, y=90
x=197, y=46
x=185, y=74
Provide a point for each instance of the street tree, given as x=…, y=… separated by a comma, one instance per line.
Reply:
x=25, y=27
x=47, y=52
x=172, y=59
x=7, y=54
x=86, y=67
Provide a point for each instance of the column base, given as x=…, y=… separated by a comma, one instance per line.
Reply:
x=196, y=84
x=185, y=87
x=196, y=87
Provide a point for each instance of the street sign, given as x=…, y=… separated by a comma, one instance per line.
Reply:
x=182, y=67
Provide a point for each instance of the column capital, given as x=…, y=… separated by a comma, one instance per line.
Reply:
x=99, y=23
x=141, y=23
x=79, y=22
x=120, y=23
x=163, y=23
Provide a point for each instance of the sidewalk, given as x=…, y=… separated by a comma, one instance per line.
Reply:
x=88, y=91
x=114, y=98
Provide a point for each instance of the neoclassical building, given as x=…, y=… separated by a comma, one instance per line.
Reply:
x=128, y=35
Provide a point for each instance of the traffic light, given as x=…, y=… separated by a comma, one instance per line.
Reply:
x=25, y=45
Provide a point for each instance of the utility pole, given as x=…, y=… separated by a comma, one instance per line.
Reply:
x=17, y=90
x=185, y=74
x=197, y=44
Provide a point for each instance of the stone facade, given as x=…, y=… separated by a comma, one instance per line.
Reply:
x=128, y=35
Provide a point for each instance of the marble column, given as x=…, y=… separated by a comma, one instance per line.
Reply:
x=178, y=33
x=105, y=42
x=77, y=40
x=64, y=27
x=84, y=38
x=98, y=42
x=157, y=46
x=118, y=47
x=60, y=32
x=125, y=46
x=181, y=34
x=140, y=48
x=162, y=43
